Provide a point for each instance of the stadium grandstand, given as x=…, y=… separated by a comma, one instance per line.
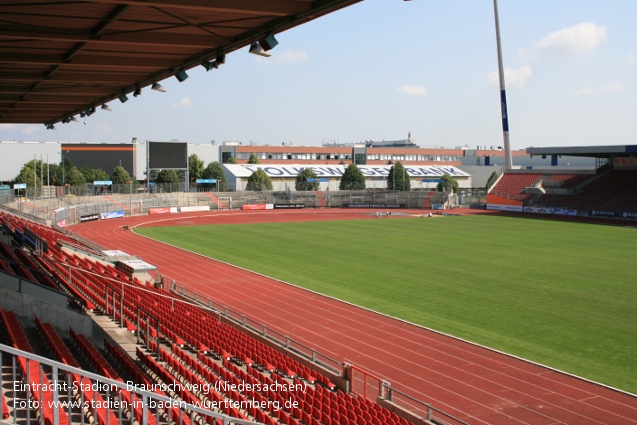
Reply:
x=609, y=191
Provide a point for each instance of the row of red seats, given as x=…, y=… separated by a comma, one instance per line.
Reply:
x=139, y=376
x=104, y=368
x=165, y=377
x=31, y=369
x=61, y=351
x=188, y=378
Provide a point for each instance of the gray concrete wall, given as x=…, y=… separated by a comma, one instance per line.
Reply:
x=60, y=317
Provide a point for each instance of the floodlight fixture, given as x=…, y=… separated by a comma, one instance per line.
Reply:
x=256, y=49
x=106, y=107
x=209, y=65
x=137, y=92
x=220, y=59
x=268, y=43
x=74, y=119
x=158, y=87
x=181, y=76
x=123, y=98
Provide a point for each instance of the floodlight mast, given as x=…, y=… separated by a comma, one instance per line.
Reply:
x=508, y=163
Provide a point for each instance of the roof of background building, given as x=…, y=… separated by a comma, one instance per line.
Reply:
x=590, y=151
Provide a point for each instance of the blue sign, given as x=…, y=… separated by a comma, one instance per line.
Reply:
x=103, y=183
x=318, y=180
x=311, y=180
x=205, y=181
x=431, y=180
x=324, y=180
x=20, y=186
x=112, y=214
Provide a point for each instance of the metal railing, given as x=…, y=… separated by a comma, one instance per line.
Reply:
x=425, y=410
x=66, y=396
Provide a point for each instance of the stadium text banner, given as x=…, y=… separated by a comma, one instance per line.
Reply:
x=20, y=186
x=206, y=181
x=103, y=183
x=89, y=217
x=373, y=205
x=338, y=170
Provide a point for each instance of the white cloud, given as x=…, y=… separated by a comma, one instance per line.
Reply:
x=608, y=88
x=512, y=77
x=585, y=91
x=630, y=58
x=567, y=41
x=286, y=57
x=413, y=90
x=29, y=130
x=612, y=87
x=183, y=103
x=104, y=128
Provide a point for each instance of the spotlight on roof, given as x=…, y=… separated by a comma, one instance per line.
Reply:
x=209, y=65
x=269, y=42
x=221, y=59
x=50, y=126
x=181, y=76
x=256, y=49
x=158, y=87
x=123, y=98
x=74, y=119
x=137, y=92
x=106, y=107
x=66, y=120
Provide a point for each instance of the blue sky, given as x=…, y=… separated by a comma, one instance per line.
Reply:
x=382, y=68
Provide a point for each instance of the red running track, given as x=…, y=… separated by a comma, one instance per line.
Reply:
x=473, y=383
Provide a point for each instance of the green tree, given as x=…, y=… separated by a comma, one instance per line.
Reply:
x=259, y=181
x=168, y=176
x=55, y=174
x=492, y=179
x=352, y=179
x=214, y=171
x=195, y=167
x=253, y=159
x=168, y=180
x=26, y=174
x=302, y=184
x=93, y=174
x=398, y=179
x=231, y=160
x=76, y=180
x=120, y=176
x=448, y=181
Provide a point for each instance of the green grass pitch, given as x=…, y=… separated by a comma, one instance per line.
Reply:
x=559, y=293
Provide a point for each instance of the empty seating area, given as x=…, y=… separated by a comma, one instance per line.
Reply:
x=614, y=190
x=195, y=347
x=566, y=181
x=511, y=185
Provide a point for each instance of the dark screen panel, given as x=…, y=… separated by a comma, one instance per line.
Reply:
x=168, y=154
x=103, y=156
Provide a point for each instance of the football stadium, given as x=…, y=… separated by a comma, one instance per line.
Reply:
x=369, y=293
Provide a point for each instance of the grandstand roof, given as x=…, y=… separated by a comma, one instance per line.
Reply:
x=62, y=58
x=589, y=151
